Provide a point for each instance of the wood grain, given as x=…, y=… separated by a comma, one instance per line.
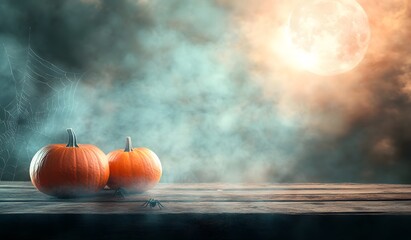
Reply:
x=211, y=198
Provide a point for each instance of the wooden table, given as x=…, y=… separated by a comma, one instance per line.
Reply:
x=230, y=210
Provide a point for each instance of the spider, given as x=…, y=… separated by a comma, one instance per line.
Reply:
x=152, y=203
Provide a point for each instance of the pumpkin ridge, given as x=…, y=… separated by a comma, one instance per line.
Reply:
x=128, y=161
x=47, y=176
x=147, y=164
x=47, y=163
x=63, y=164
x=102, y=166
x=80, y=154
x=99, y=173
x=35, y=166
x=86, y=164
x=44, y=155
x=93, y=177
x=114, y=167
x=148, y=153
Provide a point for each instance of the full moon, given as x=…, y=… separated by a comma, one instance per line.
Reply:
x=328, y=37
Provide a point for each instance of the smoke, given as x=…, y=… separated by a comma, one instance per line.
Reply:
x=208, y=86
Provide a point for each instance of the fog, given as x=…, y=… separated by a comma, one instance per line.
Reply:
x=208, y=86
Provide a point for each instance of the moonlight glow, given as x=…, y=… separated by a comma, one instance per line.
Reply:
x=328, y=37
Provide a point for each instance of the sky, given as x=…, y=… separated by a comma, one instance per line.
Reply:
x=210, y=86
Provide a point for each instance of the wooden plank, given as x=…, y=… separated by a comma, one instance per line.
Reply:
x=283, y=191
x=246, y=187
x=228, y=211
x=192, y=196
x=23, y=198
x=348, y=207
x=300, y=189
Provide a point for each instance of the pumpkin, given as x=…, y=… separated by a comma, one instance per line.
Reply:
x=69, y=170
x=133, y=169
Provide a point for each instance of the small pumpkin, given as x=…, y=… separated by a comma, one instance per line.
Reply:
x=134, y=169
x=69, y=170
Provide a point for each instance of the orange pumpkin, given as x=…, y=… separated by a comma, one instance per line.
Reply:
x=135, y=170
x=69, y=170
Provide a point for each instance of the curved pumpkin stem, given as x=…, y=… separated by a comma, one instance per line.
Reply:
x=129, y=147
x=72, y=138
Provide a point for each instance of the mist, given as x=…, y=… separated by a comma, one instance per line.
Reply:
x=206, y=85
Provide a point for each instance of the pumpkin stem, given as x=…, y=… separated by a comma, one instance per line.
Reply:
x=72, y=138
x=129, y=147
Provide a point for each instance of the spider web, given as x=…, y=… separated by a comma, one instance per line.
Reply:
x=40, y=102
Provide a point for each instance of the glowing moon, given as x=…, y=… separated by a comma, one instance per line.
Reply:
x=328, y=37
